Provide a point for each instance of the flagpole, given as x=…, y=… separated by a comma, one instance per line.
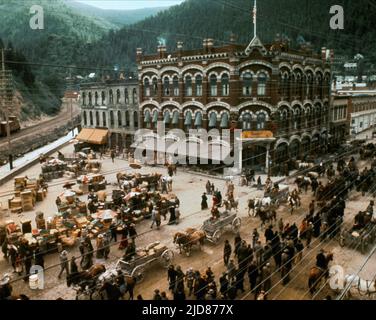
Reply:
x=255, y=19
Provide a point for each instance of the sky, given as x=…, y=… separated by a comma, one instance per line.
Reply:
x=130, y=4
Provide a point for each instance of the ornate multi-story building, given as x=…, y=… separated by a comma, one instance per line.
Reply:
x=112, y=105
x=278, y=96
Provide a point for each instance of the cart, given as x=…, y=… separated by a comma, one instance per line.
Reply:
x=278, y=196
x=360, y=239
x=215, y=228
x=145, y=257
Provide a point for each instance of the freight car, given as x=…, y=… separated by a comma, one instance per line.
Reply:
x=14, y=125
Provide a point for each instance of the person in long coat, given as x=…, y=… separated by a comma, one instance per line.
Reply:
x=172, y=216
x=100, y=247
x=171, y=277
x=204, y=201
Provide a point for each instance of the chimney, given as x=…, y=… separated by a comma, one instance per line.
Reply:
x=162, y=51
x=139, y=54
x=232, y=38
x=323, y=54
x=180, y=48
x=205, y=45
x=210, y=45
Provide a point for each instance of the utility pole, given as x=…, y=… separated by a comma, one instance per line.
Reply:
x=70, y=94
x=6, y=93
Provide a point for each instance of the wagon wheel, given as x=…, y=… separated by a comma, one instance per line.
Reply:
x=216, y=236
x=364, y=245
x=138, y=273
x=167, y=257
x=236, y=223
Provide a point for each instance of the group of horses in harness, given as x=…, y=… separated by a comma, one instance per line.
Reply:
x=97, y=283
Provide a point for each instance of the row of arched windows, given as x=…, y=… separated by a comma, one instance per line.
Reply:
x=217, y=87
x=303, y=85
x=96, y=99
x=89, y=121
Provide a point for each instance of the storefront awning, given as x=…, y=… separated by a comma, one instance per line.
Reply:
x=93, y=136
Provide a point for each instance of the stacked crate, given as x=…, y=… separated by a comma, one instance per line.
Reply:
x=15, y=205
x=27, y=200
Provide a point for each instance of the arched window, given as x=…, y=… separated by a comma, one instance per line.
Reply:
x=188, y=120
x=85, y=119
x=103, y=94
x=296, y=119
x=97, y=119
x=147, y=119
x=112, y=119
x=104, y=119
x=175, y=118
x=213, y=120
x=126, y=118
x=247, y=121
x=155, y=118
x=84, y=98
x=135, y=119
x=166, y=86
x=126, y=96
x=90, y=99
x=320, y=87
x=167, y=118
x=111, y=97
x=118, y=96
x=261, y=84
x=309, y=86
x=134, y=96
x=261, y=121
x=96, y=98
x=199, y=85
x=298, y=80
x=155, y=86
x=91, y=118
x=285, y=85
x=225, y=85
x=188, y=86
x=198, y=120
x=146, y=87
x=224, y=121
x=285, y=120
x=213, y=85
x=247, y=84
x=175, y=85
x=120, y=122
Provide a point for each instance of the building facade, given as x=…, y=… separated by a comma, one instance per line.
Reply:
x=362, y=110
x=340, y=118
x=279, y=97
x=114, y=105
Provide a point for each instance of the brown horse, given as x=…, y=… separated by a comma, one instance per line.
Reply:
x=87, y=275
x=317, y=274
x=185, y=240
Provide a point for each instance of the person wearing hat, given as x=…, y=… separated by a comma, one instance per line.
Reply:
x=204, y=201
x=190, y=278
x=100, y=247
x=223, y=283
x=309, y=234
x=157, y=295
x=63, y=263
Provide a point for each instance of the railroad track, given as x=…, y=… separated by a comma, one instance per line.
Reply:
x=62, y=118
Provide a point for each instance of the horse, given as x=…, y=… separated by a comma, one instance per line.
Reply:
x=267, y=216
x=185, y=240
x=364, y=287
x=87, y=276
x=302, y=183
x=316, y=274
x=231, y=204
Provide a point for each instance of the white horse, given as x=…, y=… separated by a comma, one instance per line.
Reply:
x=364, y=287
x=168, y=181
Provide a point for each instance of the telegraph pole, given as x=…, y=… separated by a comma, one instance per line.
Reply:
x=6, y=92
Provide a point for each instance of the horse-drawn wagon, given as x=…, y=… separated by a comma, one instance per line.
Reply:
x=214, y=228
x=359, y=239
x=143, y=258
x=278, y=194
